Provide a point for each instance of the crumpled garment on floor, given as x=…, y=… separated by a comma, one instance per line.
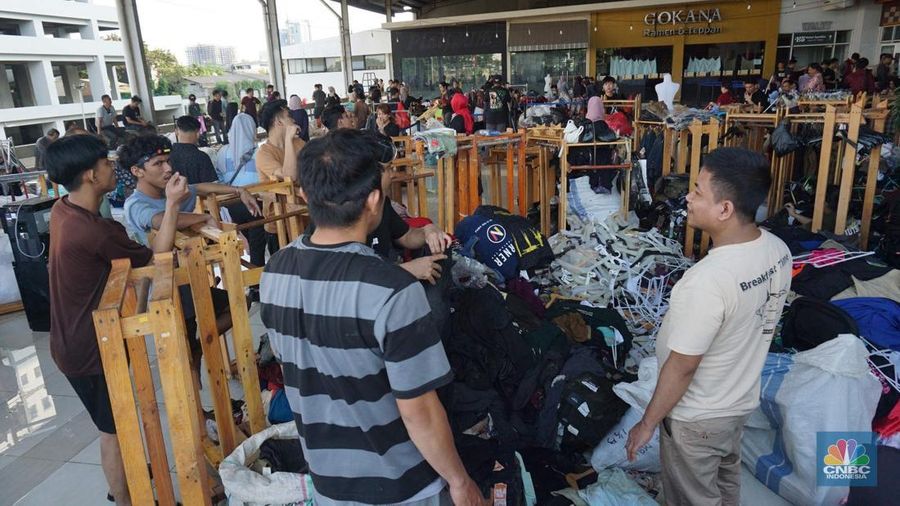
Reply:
x=615, y=488
x=887, y=286
x=574, y=327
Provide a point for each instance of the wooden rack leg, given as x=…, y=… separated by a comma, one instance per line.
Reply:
x=546, y=189
x=242, y=333
x=869, y=195
x=175, y=373
x=441, y=212
x=848, y=171
x=452, y=195
x=463, y=178
x=824, y=167
x=121, y=398
x=668, y=141
x=421, y=193
x=696, y=129
x=193, y=258
x=474, y=177
x=522, y=175
x=681, y=166
x=510, y=180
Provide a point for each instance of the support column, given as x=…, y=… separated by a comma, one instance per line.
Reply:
x=389, y=10
x=135, y=66
x=99, y=78
x=346, y=53
x=6, y=101
x=71, y=80
x=42, y=82
x=273, y=45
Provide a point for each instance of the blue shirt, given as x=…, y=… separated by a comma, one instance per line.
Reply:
x=141, y=208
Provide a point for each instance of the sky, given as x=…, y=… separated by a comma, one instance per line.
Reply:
x=177, y=24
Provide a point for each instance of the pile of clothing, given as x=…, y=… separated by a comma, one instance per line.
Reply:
x=682, y=117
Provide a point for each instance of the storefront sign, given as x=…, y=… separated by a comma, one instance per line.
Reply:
x=817, y=26
x=660, y=22
x=814, y=39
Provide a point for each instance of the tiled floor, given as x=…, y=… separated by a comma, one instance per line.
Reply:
x=49, y=448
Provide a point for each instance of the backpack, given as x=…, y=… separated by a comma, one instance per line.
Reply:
x=810, y=322
x=587, y=411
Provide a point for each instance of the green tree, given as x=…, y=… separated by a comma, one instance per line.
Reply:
x=166, y=70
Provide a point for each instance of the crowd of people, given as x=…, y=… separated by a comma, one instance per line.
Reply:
x=352, y=324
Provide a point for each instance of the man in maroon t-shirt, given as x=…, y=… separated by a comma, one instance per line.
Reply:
x=82, y=247
x=250, y=104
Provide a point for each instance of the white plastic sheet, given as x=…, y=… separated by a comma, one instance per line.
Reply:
x=611, y=451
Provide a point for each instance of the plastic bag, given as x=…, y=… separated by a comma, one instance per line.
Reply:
x=827, y=388
x=611, y=451
x=615, y=488
x=246, y=487
x=783, y=142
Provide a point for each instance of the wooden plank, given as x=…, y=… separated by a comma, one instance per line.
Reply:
x=421, y=190
x=681, y=163
x=121, y=398
x=696, y=130
x=869, y=194
x=451, y=166
x=192, y=257
x=280, y=228
x=474, y=176
x=11, y=307
x=510, y=179
x=153, y=432
x=441, y=194
x=242, y=333
x=712, y=131
x=563, y=207
x=824, y=167
x=522, y=174
x=668, y=141
x=175, y=374
x=251, y=276
x=848, y=170
x=114, y=291
x=545, y=188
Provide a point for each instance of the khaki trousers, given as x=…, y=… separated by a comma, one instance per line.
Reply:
x=701, y=461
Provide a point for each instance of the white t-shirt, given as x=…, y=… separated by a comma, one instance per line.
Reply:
x=726, y=308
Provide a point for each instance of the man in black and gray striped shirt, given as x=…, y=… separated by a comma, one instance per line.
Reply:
x=360, y=355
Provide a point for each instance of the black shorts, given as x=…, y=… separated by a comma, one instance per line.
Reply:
x=95, y=396
x=220, y=307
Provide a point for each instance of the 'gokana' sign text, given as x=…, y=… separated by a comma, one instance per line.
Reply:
x=659, y=20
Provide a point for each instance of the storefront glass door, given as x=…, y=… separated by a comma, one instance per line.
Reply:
x=423, y=74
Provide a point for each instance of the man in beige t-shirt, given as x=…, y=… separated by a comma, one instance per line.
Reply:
x=272, y=161
x=714, y=339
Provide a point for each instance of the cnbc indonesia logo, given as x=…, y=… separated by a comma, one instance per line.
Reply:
x=846, y=460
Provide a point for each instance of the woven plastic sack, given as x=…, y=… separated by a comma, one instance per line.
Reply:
x=246, y=487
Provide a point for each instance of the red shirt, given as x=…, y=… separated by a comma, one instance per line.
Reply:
x=725, y=99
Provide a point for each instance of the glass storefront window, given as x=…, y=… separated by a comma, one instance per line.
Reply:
x=423, y=74
x=631, y=61
x=376, y=62
x=529, y=68
x=740, y=57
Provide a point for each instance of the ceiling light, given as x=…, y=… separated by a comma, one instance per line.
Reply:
x=407, y=8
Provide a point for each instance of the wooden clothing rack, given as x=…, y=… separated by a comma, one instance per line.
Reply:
x=623, y=142
x=146, y=301
x=697, y=131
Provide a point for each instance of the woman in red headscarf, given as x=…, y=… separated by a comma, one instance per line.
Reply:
x=461, y=120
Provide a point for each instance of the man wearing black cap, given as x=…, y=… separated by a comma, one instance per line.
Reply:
x=496, y=111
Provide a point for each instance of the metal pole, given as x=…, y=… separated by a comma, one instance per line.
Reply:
x=389, y=10
x=273, y=44
x=344, y=24
x=135, y=60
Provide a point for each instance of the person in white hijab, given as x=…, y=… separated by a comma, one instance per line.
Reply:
x=237, y=161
